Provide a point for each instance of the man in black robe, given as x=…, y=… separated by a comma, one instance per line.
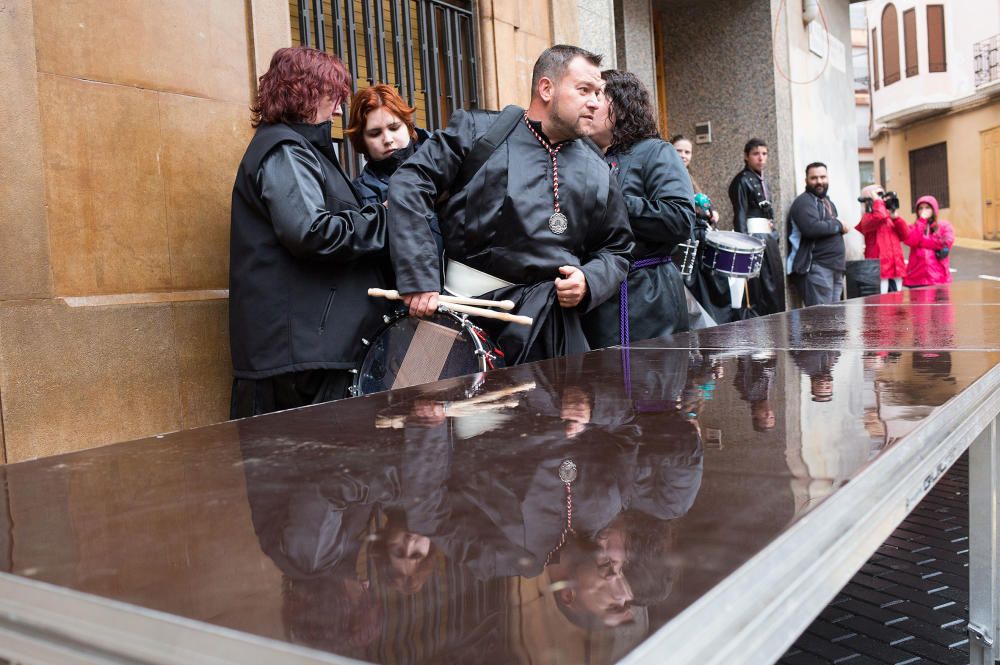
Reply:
x=542, y=222
x=749, y=195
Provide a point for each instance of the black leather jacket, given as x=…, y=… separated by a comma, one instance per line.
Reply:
x=303, y=253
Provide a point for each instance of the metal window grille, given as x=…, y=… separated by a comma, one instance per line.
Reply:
x=929, y=173
x=986, y=55
x=426, y=49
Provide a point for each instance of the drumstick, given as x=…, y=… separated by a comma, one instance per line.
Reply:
x=489, y=313
x=457, y=300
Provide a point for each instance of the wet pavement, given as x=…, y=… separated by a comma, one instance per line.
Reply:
x=558, y=512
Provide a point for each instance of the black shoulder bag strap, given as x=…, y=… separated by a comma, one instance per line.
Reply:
x=487, y=144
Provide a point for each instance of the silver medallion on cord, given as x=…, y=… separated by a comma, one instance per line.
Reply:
x=567, y=471
x=558, y=223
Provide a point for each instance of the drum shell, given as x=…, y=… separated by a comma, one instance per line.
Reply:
x=733, y=254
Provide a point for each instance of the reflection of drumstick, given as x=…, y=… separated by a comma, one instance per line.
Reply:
x=455, y=300
x=498, y=394
x=494, y=400
x=456, y=410
x=465, y=309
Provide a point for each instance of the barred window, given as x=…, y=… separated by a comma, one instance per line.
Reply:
x=425, y=48
x=929, y=173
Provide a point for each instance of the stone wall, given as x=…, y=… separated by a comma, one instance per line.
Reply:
x=118, y=143
x=719, y=68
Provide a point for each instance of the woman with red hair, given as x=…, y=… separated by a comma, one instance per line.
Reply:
x=381, y=129
x=303, y=249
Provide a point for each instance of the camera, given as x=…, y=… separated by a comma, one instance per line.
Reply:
x=942, y=253
x=891, y=201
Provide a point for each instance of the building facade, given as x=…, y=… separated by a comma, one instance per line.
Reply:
x=120, y=134
x=935, y=80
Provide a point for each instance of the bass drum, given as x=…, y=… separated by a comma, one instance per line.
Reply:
x=409, y=351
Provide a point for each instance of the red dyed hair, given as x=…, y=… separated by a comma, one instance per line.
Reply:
x=367, y=100
x=297, y=79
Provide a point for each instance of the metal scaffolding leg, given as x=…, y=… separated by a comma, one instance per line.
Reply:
x=984, y=549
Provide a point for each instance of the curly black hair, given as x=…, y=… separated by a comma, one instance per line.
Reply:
x=631, y=110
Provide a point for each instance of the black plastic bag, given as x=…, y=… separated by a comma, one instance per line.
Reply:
x=863, y=278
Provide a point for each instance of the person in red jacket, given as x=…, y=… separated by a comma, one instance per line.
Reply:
x=930, y=240
x=884, y=231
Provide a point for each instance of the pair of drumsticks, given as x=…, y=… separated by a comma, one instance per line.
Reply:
x=470, y=306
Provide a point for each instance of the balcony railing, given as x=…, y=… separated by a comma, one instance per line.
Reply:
x=986, y=55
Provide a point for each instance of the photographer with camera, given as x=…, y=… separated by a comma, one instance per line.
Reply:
x=884, y=232
x=930, y=240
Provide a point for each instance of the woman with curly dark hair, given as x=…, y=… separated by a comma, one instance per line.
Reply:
x=658, y=197
x=303, y=250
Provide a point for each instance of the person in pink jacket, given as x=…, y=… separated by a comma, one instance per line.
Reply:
x=884, y=232
x=930, y=240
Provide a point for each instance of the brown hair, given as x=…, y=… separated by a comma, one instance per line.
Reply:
x=295, y=82
x=367, y=100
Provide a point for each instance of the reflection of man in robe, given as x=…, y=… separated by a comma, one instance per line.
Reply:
x=541, y=223
x=753, y=381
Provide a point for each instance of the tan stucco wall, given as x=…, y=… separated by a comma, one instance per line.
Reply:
x=961, y=130
x=119, y=137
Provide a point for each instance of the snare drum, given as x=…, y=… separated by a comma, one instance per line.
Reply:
x=410, y=351
x=733, y=254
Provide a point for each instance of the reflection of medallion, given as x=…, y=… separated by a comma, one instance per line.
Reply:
x=558, y=223
x=567, y=471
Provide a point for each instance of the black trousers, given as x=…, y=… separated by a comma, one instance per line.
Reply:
x=253, y=397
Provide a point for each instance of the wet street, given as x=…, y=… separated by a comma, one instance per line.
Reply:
x=970, y=263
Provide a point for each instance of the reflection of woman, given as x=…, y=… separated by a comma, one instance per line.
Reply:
x=303, y=252
x=930, y=240
x=709, y=288
x=658, y=197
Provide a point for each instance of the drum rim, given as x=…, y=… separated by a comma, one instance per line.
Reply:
x=737, y=250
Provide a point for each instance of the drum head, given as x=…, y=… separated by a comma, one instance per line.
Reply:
x=411, y=351
x=734, y=242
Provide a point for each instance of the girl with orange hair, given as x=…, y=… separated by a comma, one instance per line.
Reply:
x=381, y=128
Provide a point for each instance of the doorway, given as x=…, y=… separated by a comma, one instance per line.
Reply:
x=991, y=183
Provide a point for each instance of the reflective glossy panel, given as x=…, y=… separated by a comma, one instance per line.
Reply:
x=550, y=513
x=925, y=320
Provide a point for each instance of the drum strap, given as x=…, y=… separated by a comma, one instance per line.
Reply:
x=623, y=296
